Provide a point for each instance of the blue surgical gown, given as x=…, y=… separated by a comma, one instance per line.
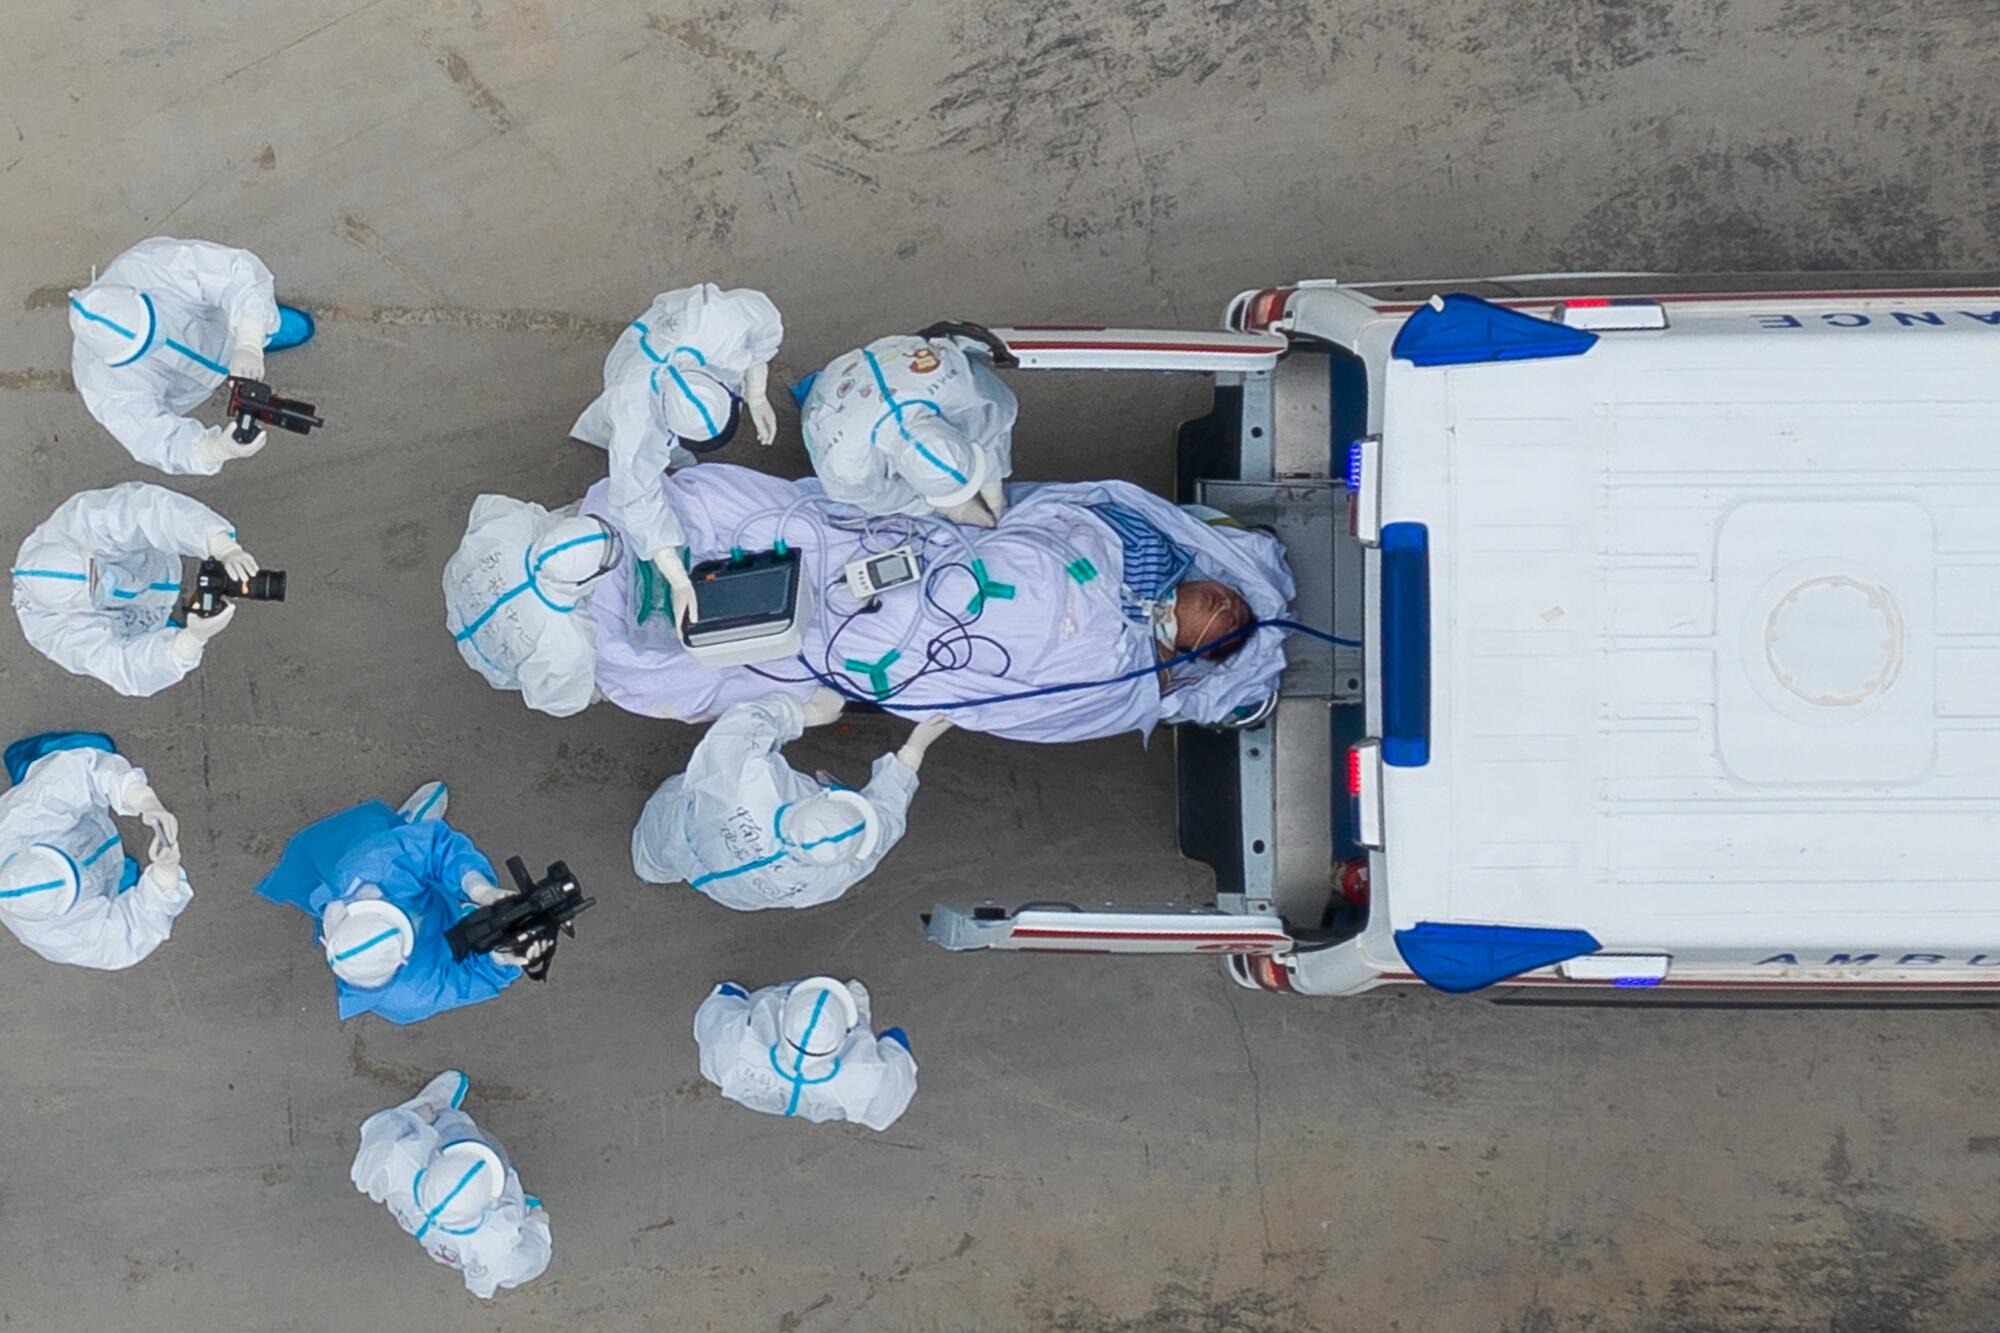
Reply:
x=418, y=868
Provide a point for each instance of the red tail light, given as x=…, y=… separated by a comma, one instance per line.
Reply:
x=1270, y=974
x=1266, y=308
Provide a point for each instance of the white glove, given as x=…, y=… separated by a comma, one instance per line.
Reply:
x=668, y=562
x=994, y=493
x=188, y=642
x=972, y=514
x=508, y=958
x=926, y=731
x=217, y=446
x=246, y=361
x=825, y=706
x=239, y=562
x=145, y=803
x=482, y=890
x=164, y=868
x=757, y=397
x=246, y=358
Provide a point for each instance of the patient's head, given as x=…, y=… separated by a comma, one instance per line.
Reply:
x=1205, y=611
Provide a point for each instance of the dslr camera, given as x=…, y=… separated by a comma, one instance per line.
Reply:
x=214, y=589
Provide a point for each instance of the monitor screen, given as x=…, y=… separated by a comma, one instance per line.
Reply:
x=754, y=592
x=888, y=570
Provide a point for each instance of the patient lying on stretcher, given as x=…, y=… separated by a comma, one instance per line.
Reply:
x=1075, y=618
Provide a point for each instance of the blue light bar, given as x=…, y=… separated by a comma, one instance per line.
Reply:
x=1354, y=466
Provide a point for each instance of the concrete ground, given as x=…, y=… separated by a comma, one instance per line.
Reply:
x=475, y=195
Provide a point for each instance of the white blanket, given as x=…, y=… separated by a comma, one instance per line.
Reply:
x=1049, y=617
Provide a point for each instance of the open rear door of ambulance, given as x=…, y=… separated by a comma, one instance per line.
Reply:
x=1066, y=928
x=1089, y=347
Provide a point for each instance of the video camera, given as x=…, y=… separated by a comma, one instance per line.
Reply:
x=214, y=588
x=538, y=912
x=252, y=406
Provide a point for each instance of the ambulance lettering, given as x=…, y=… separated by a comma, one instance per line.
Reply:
x=1902, y=319
x=1845, y=959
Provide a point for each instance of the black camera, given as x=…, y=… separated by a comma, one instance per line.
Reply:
x=539, y=911
x=252, y=406
x=215, y=589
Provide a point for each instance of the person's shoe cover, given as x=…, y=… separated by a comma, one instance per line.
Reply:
x=570, y=556
x=457, y=1186
x=693, y=403
x=112, y=321
x=295, y=327
x=55, y=575
x=445, y=1091
x=818, y=1015
x=39, y=883
x=367, y=940
x=832, y=827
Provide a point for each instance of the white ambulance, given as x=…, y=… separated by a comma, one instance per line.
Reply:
x=1679, y=613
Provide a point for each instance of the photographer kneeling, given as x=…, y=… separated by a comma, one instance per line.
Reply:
x=98, y=586
x=385, y=886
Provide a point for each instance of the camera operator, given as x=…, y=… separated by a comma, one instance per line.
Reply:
x=97, y=587
x=160, y=330
x=385, y=885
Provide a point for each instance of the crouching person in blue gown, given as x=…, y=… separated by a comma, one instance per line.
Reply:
x=384, y=885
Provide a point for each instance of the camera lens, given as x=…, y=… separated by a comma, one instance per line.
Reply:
x=266, y=586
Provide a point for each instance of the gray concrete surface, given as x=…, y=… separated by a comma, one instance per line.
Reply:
x=475, y=194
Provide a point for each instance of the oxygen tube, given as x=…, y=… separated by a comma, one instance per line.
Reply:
x=846, y=691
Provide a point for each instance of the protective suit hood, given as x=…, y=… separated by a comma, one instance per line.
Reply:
x=934, y=439
x=459, y=1185
x=57, y=575
x=571, y=555
x=694, y=404
x=39, y=883
x=813, y=1026
x=367, y=938
x=835, y=826
x=113, y=322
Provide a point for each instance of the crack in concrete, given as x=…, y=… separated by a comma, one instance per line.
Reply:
x=760, y=73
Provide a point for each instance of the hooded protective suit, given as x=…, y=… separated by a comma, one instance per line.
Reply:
x=909, y=425
x=67, y=890
x=95, y=585
x=676, y=375
x=369, y=855
x=449, y=1184
x=517, y=600
x=750, y=831
x=805, y=1050
x=153, y=339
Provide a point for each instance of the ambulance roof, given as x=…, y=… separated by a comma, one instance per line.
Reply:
x=1715, y=633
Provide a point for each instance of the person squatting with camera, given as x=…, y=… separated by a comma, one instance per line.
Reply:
x=409, y=914
x=99, y=586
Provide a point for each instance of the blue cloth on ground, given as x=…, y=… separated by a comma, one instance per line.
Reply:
x=418, y=867
x=22, y=754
